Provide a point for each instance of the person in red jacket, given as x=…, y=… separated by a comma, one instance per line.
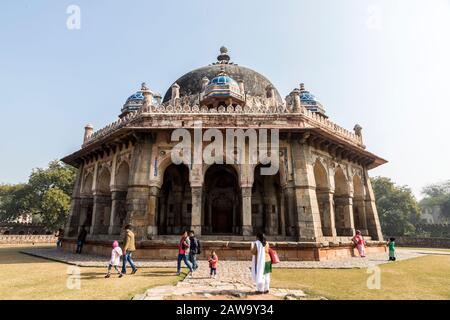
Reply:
x=360, y=244
x=213, y=259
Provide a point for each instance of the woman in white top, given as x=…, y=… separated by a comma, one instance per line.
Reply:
x=261, y=264
x=116, y=253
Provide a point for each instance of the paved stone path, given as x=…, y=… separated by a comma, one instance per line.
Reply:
x=87, y=260
x=233, y=280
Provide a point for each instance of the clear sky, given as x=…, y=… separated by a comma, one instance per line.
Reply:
x=382, y=64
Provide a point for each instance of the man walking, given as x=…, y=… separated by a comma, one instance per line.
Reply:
x=129, y=247
x=194, y=249
x=81, y=239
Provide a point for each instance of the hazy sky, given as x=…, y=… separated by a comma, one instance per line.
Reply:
x=382, y=64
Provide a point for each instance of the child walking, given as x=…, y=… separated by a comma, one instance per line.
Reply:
x=213, y=259
x=391, y=245
x=116, y=253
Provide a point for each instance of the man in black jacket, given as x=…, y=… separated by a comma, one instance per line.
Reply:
x=194, y=249
x=81, y=239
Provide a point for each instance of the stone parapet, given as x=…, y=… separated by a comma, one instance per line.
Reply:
x=233, y=250
x=313, y=120
x=422, y=242
x=19, y=239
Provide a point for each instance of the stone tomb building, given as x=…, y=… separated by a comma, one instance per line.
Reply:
x=309, y=209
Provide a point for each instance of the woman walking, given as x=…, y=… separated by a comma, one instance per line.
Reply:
x=261, y=264
x=183, y=250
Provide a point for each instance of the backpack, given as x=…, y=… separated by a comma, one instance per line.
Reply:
x=195, y=246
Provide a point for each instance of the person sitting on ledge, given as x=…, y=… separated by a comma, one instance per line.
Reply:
x=358, y=240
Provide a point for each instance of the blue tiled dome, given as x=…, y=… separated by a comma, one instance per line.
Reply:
x=221, y=79
x=306, y=96
x=138, y=96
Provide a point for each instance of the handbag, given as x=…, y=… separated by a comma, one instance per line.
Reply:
x=274, y=256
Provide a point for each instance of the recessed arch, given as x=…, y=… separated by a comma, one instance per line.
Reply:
x=87, y=185
x=342, y=204
x=359, y=211
x=222, y=200
x=268, y=213
x=174, y=207
x=122, y=175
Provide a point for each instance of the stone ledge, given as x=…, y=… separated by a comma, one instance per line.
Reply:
x=232, y=250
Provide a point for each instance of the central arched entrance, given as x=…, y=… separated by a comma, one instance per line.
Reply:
x=222, y=200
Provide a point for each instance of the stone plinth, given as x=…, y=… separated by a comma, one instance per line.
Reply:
x=167, y=249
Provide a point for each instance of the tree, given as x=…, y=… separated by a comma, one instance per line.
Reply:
x=397, y=207
x=46, y=195
x=55, y=207
x=51, y=189
x=437, y=194
x=14, y=201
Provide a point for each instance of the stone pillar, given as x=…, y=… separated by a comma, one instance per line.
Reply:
x=175, y=92
x=359, y=208
x=152, y=228
x=281, y=214
x=87, y=205
x=247, y=229
x=291, y=206
x=118, y=211
x=345, y=204
x=196, y=214
x=88, y=131
x=325, y=198
x=373, y=222
x=138, y=189
x=73, y=222
x=308, y=220
x=101, y=214
x=295, y=94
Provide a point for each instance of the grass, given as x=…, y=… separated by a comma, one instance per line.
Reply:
x=426, y=249
x=426, y=278
x=27, y=277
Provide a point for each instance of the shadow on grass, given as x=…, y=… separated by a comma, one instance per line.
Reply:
x=12, y=255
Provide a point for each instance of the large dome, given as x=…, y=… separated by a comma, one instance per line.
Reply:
x=255, y=84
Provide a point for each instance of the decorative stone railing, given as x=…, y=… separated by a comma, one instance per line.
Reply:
x=283, y=109
x=27, y=238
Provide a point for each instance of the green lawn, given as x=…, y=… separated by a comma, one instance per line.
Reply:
x=426, y=249
x=426, y=277
x=27, y=277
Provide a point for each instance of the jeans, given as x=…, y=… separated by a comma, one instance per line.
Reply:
x=213, y=271
x=126, y=258
x=79, y=246
x=186, y=262
x=193, y=260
